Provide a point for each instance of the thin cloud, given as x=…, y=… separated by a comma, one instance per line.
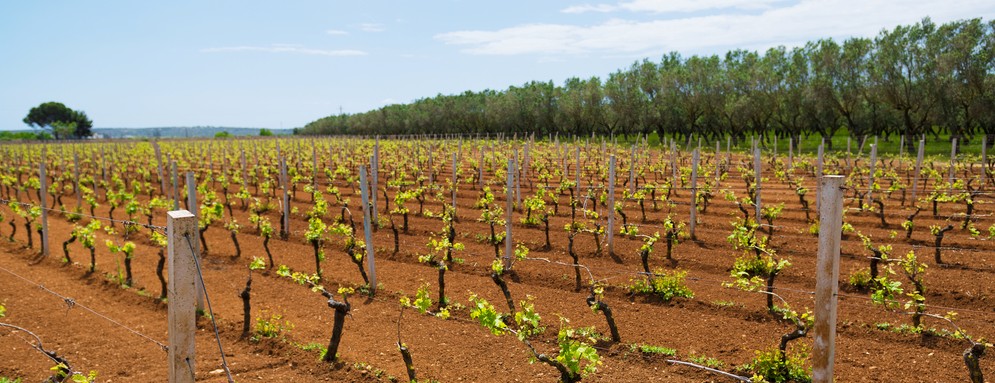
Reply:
x=668, y=6
x=777, y=25
x=584, y=8
x=288, y=48
x=372, y=27
x=336, y=32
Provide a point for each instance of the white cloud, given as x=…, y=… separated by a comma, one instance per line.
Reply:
x=665, y=6
x=372, y=27
x=584, y=8
x=778, y=24
x=336, y=32
x=288, y=48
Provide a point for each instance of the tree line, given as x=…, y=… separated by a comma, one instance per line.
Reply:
x=920, y=79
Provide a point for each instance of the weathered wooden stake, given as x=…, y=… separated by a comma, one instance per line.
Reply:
x=611, y=205
x=984, y=160
x=827, y=278
x=632, y=171
x=181, y=226
x=953, y=160
x=375, y=172
x=870, y=177
x=915, y=174
x=79, y=194
x=694, y=192
x=176, y=187
x=367, y=228
x=509, y=207
x=758, y=169
x=455, y=181
x=818, y=171
x=162, y=174
x=43, y=194
x=284, y=181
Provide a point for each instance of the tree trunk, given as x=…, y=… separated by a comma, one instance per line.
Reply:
x=341, y=310
x=246, y=307
x=972, y=358
x=603, y=307
x=158, y=271
x=234, y=239
x=65, y=248
x=268, y=253
x=442, y=286
x=504, y=290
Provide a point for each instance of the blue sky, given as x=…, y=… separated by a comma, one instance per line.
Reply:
x=283, y=64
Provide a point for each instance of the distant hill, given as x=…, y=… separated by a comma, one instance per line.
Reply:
x=189, y=131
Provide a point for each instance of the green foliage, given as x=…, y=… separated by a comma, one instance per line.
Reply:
x=653, y=350
x=265, y=132
x=423, y=303
x=222, y=134
x=271, y=327
x=257, y=263
x=64, y=375
x=61, y=120
x=577, y=352
x=663, y=285
x=315, y=230
x=771, y=367
x=888, y=292
x=486, y=315
x=706, y=361
x=3, y=310
x=860, y=279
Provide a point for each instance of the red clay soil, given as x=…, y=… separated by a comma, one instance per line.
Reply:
x=721, y=323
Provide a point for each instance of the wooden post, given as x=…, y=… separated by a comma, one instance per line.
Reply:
x=915, y=174
x=42, y=197
x=984, y=161
x=728, y=150
x=953, y=160
x=901, y=149
x=611, y=205
x=870, y=178
x=694, y=192
x=718, y=172
x=454, y=182
x=181, y=227
x=285, y=228
x=673, y=165
x=791, y=151
x=375, y=172
x=577, y=174
x=849, y=168
x=176, y=190
x=517, y=177
x=818, y=171
x=758, y=169
x=162, y=174
x=191, y=194
x=367, y=221
x=195, y=210
x=509, y=197
x=632, y=171
x=79, y=194
x=827, y=278
x=244, y=181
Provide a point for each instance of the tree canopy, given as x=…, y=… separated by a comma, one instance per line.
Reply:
x=920, y=79
x=62, y=121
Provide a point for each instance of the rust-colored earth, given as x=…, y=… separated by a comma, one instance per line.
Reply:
x=721, y=323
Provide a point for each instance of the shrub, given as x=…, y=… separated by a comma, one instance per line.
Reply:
x=770, y=366
x=272, y=327
x=661, y=284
